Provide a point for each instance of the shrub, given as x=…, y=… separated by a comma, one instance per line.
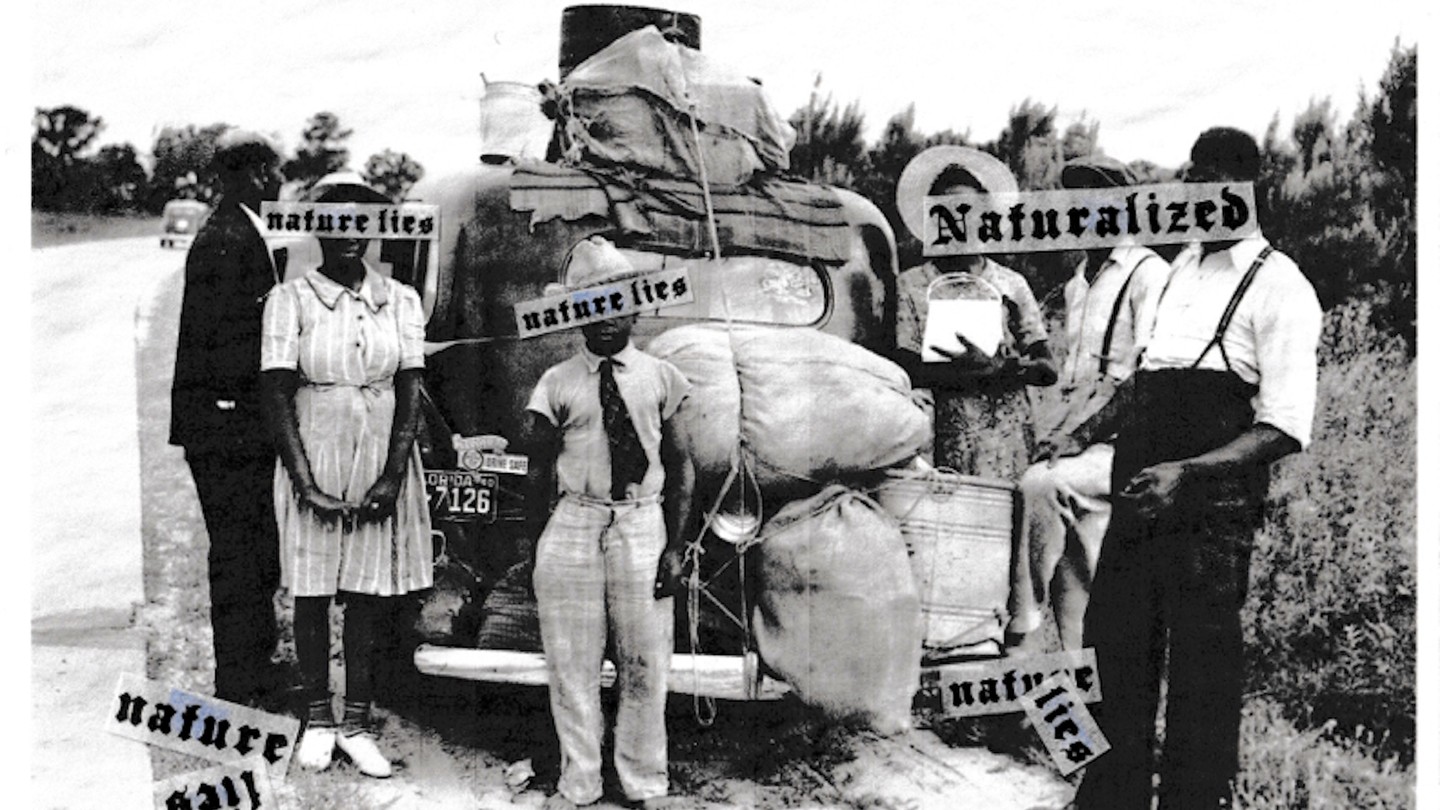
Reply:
x=1330, y=624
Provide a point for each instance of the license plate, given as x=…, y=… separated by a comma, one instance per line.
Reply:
x=461, y=495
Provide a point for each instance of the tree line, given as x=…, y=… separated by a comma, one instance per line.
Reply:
x=1337, y=197
x=68, y=174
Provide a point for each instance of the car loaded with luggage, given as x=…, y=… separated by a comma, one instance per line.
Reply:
x=828, y=558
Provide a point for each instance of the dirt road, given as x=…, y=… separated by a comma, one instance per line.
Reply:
x=86, y=564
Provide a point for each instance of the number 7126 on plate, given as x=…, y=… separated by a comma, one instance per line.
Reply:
x=462, y=495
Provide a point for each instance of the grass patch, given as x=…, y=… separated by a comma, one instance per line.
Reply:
x=1285, y=768
x=1330, y=624
x=51, y=228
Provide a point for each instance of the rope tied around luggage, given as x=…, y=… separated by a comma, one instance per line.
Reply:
x=772, y=382
x=704, y=707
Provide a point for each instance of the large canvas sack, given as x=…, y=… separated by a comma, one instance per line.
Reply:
x=801, y=407
x=630, y=104
x=838, y=615
x=635, y=130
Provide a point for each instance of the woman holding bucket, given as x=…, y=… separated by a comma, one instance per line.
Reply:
x=978, y=378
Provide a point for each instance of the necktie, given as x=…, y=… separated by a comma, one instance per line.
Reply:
x=628, y=462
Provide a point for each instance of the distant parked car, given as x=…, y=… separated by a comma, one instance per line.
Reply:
x=183, y=219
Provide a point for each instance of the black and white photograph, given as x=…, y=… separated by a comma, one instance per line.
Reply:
x=487, y=404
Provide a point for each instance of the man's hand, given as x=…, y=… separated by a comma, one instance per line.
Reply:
x=1154, y=488
x=670, y=573
x=1056, y=447
x=379, y=501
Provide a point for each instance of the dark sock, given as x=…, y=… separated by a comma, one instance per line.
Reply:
x=357, y=718
x=362, y=617
x=320, y=714
x=312, y=648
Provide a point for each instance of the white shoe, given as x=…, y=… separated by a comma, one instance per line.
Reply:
x=317, y=746
x=363, y=751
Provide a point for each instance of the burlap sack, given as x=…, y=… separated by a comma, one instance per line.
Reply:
x=804, y=407
x=512, y=621
x=838, y=615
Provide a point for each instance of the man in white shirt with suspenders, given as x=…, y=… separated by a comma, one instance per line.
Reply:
x=1109, y=307
x=1225, y=387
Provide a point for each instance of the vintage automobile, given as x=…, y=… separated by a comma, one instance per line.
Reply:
x=183, y=219
x=790, y=254
x=491, y=257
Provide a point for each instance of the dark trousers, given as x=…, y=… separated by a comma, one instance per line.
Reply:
x=1178, y=586
x=1167, y=596
x=237, y=499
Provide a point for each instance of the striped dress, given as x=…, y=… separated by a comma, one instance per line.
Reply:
x=347, y=347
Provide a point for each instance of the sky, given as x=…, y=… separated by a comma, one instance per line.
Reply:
x=409, y=78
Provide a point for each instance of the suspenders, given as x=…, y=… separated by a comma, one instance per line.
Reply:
x=1115, y=316
x=1230, y=308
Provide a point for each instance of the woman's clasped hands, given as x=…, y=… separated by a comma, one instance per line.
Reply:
x=378, y=503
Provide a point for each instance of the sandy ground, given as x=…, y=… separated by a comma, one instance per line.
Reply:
x=110, y=307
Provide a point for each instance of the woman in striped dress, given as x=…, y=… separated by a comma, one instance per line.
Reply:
x=341, y=357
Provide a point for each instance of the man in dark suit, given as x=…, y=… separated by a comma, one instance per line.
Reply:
x=215, y=415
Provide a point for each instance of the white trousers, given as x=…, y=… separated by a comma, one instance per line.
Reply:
x=1065, y=511
x=595, y=570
